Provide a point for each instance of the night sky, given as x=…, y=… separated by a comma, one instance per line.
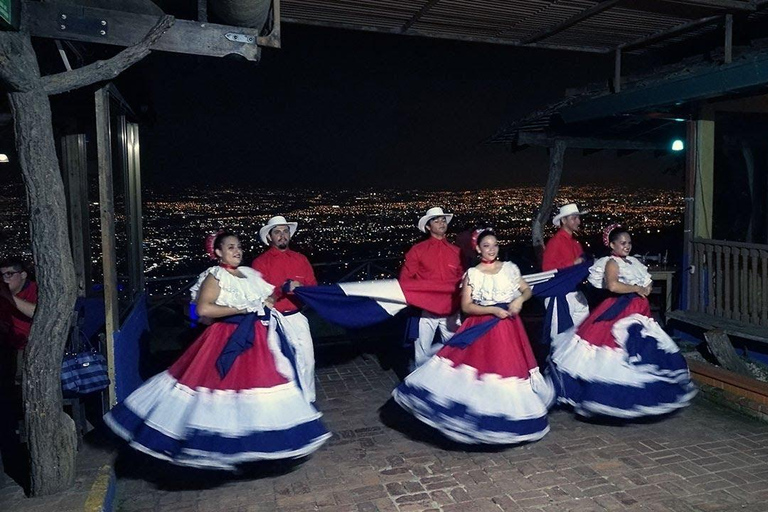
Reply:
x=345, y=109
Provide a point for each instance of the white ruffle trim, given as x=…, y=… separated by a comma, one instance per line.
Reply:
x=173, y=408
x=220, y=461
x=247, y=294
x=589, y=408
x=460, y=429
x=501, y=287
x=634, y=273
x=580, y=359
x=487, y=394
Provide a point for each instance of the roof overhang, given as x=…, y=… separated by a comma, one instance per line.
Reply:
x=746, y=74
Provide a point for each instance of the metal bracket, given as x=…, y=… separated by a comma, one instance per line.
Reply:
x=78, y=24
x=240, y=38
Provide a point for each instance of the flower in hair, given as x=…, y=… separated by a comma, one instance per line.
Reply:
x=210, y=250
x=607, y=234
x=476, y=235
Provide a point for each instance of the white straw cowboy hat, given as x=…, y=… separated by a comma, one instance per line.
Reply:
x=566, y=210
x=431, y=214
x=277, y=220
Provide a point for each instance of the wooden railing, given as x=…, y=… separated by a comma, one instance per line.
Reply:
x=730, y=280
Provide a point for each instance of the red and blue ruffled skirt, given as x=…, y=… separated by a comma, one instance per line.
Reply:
x=192, y=416
x=489, y=392
x=620, y=363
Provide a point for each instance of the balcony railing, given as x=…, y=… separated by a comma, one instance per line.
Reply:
x=730, y=280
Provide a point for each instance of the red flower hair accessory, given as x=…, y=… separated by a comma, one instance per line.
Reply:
x=210, y=250
x=607, y=234
x=476, y=235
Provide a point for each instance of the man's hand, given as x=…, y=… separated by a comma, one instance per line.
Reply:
x=578, y=260
x=293, y=285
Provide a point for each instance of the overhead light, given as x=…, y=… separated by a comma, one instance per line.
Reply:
x=4, y=158
x=678, y=145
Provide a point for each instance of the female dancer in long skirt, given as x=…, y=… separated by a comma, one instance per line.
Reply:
x=620, y=363
x=232, y=396
x=490, y=390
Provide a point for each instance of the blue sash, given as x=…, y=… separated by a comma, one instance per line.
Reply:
x=466, y=337
x=564, y=282
x=617, y=307
x=240, y=340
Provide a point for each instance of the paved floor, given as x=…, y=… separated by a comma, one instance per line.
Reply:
x=703, y=459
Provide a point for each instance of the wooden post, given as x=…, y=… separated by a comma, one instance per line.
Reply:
x=617, y=71
x=553, y=184
x=75, y=171
x=705, y=174
x=202, y=11
x=107, y=212
x=688, y=216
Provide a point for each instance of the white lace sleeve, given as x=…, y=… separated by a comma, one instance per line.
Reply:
x=513, y=273
x=195, y=290
x=597, y=272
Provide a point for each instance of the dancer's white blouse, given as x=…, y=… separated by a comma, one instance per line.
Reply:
x=490, y=289
x=246, y=293
x=631, y=272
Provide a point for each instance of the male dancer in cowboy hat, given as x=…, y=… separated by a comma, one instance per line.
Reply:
x=285, y=270
x=433, y=259
x=562, y=251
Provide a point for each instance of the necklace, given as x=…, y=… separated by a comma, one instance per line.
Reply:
x=487, y=262
x=227, y=266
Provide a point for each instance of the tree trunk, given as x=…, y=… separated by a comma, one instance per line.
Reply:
x=50, y=432
x=553, y=184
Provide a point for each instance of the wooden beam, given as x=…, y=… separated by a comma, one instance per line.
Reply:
x=74, y=166
x=541, y=139
x=573, y=20
x=126, y=29
x=416, y=17
x=107, y=212
x=664, y=34
x=437, y=35
x=617, y=71
x=744, y=74
x=727, y=5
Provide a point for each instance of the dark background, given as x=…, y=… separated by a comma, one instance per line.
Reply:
x=346, y=109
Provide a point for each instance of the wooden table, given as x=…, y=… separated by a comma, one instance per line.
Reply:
x=664, y=274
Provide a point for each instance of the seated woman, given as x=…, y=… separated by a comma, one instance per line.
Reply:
x=488, y=390
x=232, y=396
x=619, y=362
